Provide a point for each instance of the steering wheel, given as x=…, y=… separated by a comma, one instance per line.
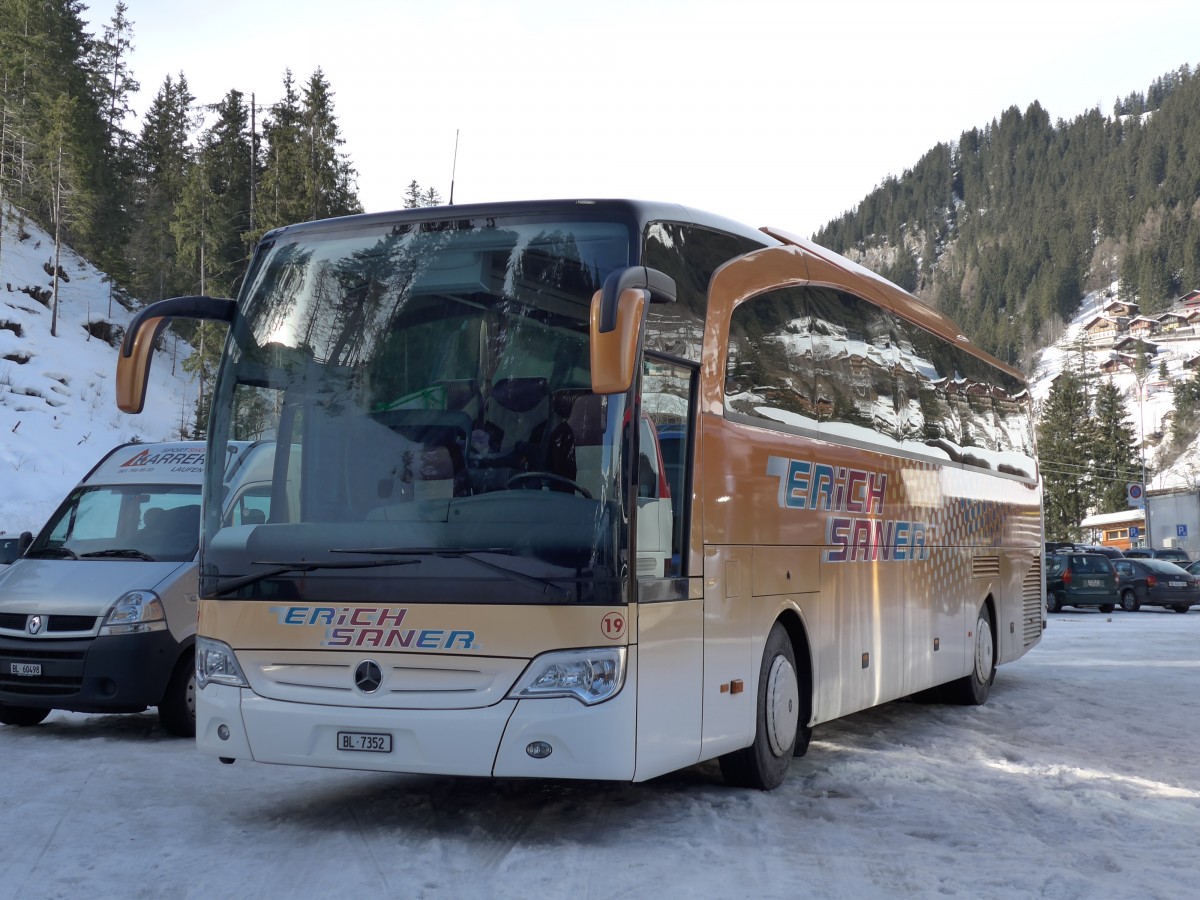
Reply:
x=522, y=477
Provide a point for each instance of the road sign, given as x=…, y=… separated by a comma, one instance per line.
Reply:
x=1135, y=493
x=1134, y=532
x=1181, y=531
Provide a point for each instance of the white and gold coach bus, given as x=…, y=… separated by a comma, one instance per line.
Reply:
x=595, y=489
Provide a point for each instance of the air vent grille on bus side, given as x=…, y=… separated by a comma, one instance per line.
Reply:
x=1032, y=600
x=985, y=567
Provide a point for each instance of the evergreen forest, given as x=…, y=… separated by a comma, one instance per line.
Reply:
x=1008, y=227
x=174, y=206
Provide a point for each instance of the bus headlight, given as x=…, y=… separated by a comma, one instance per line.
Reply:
x=133, y=613
x=215, y=662
x=590, y=676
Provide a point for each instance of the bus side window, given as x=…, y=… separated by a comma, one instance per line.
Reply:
x=663, y=456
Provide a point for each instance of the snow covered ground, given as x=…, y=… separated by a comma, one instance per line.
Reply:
x=1079, y=779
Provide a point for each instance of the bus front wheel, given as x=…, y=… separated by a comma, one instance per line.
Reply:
x=764, y=764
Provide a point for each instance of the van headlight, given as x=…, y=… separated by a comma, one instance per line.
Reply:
x=135, y=613
x=590, y=676
x=216, y=663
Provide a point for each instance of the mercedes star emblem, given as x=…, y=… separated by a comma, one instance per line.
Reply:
x=368, y=676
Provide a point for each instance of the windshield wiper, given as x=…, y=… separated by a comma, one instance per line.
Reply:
x=55, y=553
x=119, y=553
x=544, y=584
x=282, y=568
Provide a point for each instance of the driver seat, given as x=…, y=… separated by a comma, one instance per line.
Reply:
x=575, y=448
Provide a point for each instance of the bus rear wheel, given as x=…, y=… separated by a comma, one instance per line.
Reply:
x=782, y=712
x=973, y=689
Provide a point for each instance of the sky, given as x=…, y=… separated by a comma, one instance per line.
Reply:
x=1078, y=779
x=772, y=113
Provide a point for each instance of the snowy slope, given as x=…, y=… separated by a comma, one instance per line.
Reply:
x=58, y=412
x=1150, y=416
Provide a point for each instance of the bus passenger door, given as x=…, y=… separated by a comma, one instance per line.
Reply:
x=670, y=605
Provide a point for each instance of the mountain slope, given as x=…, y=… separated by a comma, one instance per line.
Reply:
x=58, y=412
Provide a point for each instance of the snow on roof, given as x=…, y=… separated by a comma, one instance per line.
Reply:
x=1113, y=518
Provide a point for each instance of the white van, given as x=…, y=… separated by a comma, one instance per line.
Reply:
x=98, y=614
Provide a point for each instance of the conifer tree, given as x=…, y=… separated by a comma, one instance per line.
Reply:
x=61, y=171
x=227, y=160
x=161, y=158
x=1063, y=452
x=329, y=177
x=413, y=196
x=1114, y=450
x=306, y=176
x=198, y=226
x=282, y=199
x=113, y=85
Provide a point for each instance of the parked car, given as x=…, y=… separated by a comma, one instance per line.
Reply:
x=1080, y=579
x=1194, y=568
x=1110, y=552
x=1067, y=546
x=1171, y=554
x=1156, y=582
x=98, y=613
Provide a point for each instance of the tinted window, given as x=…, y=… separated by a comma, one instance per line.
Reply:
x=852, y=358
x=828, y=361
x=690, y=255
x=1090, y=565
x=769, y=372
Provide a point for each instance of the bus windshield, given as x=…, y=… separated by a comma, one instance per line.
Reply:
x=431, y=383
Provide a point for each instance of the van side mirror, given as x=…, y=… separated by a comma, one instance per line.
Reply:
x=617, y=315
x=137, y=347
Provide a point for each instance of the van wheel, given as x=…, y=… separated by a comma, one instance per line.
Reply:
x=972, y=690
x=1129, y=601
x=177, y=711
x=764, y=764
x=1053, y=603
x=1181, y=607
x=22, y=715
x=1107, y=607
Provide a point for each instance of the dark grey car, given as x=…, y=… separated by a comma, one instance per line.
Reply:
x=1170, y=554
x=1156, y=582
x=1080, y=579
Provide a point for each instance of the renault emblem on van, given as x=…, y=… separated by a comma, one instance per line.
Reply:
x=35, y=625
x=368, y=676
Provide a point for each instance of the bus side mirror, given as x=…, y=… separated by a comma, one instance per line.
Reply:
x=617, y=315
x=137, y=347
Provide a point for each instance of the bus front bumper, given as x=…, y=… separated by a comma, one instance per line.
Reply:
x=506, y=740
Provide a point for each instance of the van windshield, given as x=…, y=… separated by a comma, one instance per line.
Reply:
x=125, y=521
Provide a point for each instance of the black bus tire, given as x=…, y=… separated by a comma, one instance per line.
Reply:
x=764, y=764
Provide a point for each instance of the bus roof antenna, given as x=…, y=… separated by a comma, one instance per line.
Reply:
x=453, y=167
